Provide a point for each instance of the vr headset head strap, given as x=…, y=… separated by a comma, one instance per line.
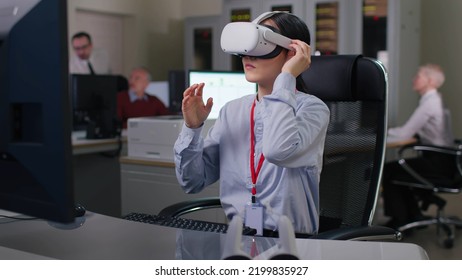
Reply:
x=266, y=15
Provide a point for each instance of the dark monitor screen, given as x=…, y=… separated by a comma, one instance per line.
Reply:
x=177, y=85
x=35, y=140
x=94, y=103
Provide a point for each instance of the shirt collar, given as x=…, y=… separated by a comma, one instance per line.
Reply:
x=428, y=94
x=133, y=97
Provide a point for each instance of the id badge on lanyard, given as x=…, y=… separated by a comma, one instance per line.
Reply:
x=254, y=211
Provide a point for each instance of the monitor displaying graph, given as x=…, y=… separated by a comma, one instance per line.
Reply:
x=222, y=86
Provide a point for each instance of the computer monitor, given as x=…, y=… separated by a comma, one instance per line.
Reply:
x=222, y=86
x=35, y=140
x=176, y=87
x=94, y=105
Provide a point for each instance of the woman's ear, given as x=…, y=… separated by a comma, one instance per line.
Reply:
x=291, y=53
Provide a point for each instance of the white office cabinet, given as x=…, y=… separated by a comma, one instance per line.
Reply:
x=149, y=186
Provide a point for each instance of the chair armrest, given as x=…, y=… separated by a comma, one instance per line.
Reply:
x=360, y=233
x=422, y=182
x=431, y=148
x=189, y=206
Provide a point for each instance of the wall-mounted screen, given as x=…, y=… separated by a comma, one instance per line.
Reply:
x=222, y=86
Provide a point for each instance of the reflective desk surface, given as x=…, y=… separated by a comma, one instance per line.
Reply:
x=96, y=236
x=81, y=145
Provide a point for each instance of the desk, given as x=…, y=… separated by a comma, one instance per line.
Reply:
x=97, y=173
x=393, y=144
x=89, y=146
x=81, y=145
x=397, y=143
x=12, y=254
x=109, y=238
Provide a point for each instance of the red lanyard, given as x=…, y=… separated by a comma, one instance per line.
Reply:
x=254, y=172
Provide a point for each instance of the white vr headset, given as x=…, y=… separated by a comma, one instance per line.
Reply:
x=253, y=39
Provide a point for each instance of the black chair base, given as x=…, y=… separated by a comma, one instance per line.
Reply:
x=448, y=225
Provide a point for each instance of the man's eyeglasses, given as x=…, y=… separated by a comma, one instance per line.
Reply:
x=81, y=47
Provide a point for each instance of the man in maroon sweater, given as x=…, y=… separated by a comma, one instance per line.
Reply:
x=135, y=102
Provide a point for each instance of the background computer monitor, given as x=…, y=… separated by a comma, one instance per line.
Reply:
x=94, y=105
x=176, y=86
x=35, y=120
x=222, y=86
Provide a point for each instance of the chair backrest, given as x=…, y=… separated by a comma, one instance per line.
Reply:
x=448, y=125
x=355, y=89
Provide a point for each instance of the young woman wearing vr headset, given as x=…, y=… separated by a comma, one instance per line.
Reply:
x=266, y=148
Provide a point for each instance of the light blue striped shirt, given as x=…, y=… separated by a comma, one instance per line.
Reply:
x=290, y=130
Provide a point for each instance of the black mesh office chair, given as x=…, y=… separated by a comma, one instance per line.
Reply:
x=429, y=190
x=355, y=89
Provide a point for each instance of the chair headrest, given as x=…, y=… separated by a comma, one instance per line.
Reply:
x=345, y=78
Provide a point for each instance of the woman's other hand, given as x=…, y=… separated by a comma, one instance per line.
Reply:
x=298, y=59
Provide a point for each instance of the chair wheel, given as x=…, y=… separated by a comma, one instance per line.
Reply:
x=448, y=243
x=456, y=221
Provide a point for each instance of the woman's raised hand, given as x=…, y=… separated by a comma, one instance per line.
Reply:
x=195, y=112
x=298, y=59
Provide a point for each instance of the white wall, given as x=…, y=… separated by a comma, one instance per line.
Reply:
x=403, y=39
x=441, y=43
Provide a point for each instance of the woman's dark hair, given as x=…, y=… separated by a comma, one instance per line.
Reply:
x=293, y=27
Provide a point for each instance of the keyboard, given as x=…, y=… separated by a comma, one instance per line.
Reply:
x=184, y=223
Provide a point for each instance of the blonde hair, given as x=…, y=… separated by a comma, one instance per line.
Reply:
x=434, y=73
